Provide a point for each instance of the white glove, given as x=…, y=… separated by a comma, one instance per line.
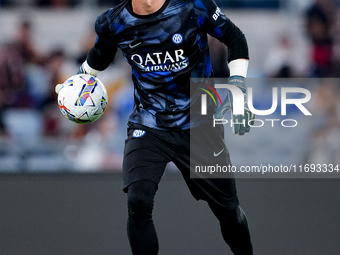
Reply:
x=57, y=88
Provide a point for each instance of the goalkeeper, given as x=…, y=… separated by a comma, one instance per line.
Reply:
x=165, y=42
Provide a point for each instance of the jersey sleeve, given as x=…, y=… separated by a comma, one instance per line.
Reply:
x=219, y=26
x=104, y=50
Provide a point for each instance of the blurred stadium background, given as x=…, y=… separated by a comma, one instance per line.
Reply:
x=43, y=42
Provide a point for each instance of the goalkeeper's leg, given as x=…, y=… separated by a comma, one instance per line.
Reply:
x=141, y=231
x=235, y=231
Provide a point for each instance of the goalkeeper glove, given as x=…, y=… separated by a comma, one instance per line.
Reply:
x=244, y=120
x=57, y=88
x=84, y=69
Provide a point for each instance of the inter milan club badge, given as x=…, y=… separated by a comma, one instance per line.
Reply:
x=177, y=38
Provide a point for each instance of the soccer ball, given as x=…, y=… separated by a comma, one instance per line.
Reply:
x=82, y=98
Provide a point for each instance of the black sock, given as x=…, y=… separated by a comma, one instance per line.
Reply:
x=235, y=231
x=141, y=230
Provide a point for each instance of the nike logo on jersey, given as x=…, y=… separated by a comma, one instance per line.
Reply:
x=216, y=154
x=135, y=45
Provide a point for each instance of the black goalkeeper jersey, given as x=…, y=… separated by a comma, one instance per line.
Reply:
x=165, y=50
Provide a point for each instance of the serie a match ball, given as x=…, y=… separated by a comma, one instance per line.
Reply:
x=82, y=98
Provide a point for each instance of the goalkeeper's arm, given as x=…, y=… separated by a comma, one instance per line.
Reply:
x=104, y=50
x=101, y=54
x=238, y=56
